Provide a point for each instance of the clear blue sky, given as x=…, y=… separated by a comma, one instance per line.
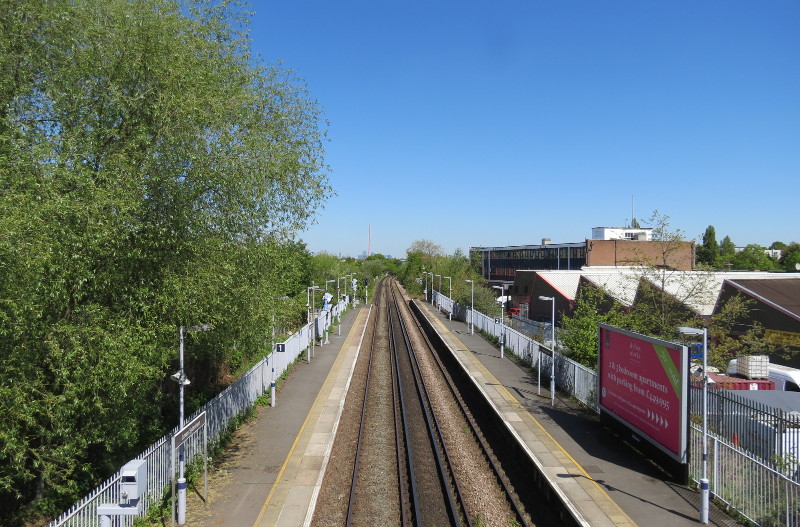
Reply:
x=500, y=123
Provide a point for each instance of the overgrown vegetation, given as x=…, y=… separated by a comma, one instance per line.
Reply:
x=153, y=174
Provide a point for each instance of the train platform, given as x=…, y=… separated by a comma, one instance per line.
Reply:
x=607, y=481
x=272, y=471
x=271, y=474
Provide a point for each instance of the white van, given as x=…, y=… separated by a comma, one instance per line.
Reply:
x=785, y=378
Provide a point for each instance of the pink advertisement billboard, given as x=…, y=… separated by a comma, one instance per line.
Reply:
x=644, y=384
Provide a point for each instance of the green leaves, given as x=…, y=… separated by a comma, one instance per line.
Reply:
x=152, y=175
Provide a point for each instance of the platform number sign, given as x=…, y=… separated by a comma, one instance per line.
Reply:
x=280, y=348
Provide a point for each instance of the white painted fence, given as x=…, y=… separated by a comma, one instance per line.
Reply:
x=220, y=411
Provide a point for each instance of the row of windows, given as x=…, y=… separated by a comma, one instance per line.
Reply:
x=504, y=264
x=536, y=254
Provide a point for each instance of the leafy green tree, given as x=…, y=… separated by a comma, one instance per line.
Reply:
x=580, y=330
x=779, y=246
x=374, y=267
x=753, y=258
x=656, y=312
x=708, y=251
x=153, y=174
x=791, y=257
x=428, y=249
x=325, y=266
x=727, y=251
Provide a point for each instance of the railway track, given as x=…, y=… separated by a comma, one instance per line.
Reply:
x=408, y=451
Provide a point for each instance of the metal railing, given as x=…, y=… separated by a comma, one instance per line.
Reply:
x=220, y=412
x=753, y=487
x=763, y=491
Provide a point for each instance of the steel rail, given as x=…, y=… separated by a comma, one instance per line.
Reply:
x=351, y=502
x=414, y=496
x=487, y=452
x=444, y=467
x=398, y=427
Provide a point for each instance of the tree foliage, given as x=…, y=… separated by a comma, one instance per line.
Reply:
x=708, y=251
x=580, y=329
x=152, y=174
x=753, y=258
x=727, y=251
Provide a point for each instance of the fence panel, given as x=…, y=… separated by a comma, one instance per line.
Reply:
x=220, y=411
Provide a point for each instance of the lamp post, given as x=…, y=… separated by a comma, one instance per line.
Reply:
x=425, y=273
x=502, y=289
x=552, y=299
x=310, y=310
x=450, y=313
x=339, y=299
x=182, y=381
x=471, y=307
x=704, y=491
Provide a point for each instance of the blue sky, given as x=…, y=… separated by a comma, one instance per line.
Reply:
x=476, y=123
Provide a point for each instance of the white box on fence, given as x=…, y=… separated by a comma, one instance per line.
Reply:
x=753, y=366
x=133, y=481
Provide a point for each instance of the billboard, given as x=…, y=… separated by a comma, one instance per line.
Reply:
x=644, y=386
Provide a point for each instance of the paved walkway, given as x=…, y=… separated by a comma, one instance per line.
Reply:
x=271, y=472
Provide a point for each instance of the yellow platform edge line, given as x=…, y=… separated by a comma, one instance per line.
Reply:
x=520, y=408
x=321, y=396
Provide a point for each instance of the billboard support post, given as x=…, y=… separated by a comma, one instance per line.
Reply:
x=704, y=493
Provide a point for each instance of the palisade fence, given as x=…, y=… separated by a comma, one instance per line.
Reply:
x=220, y=412
x=572, y=377
x=753, y=450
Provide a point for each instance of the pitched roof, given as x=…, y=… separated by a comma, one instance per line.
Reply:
x=698, y=290
x=783, y=296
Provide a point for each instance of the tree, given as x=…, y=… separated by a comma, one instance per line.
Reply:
x=659, y=305
x=727, y=251
x=708, y=251
x=779, y=246
x=580, y=330
x=153, y=175
x=791, y=257
x=426, y=248
x=753, y=258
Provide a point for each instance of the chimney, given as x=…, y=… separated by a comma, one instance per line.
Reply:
x=546, y=241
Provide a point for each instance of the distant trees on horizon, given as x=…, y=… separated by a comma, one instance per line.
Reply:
x=724, y=256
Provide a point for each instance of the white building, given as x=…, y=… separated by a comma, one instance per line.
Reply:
x=621, y=233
